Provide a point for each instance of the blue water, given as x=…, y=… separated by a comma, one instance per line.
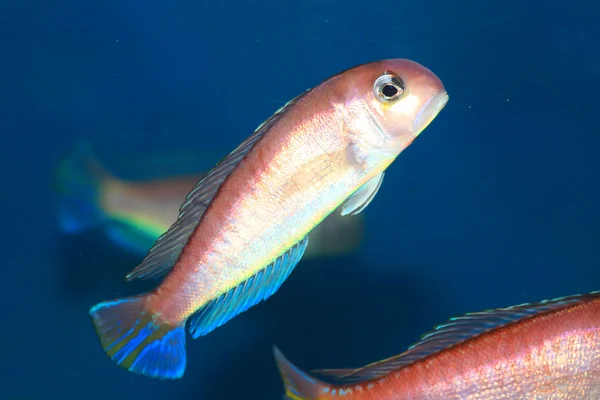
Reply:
x=495, y=204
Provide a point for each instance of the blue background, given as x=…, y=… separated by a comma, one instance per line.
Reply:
x=495, y=204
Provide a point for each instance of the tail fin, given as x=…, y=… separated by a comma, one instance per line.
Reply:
x=298, y=384
x=79, y=181
x=136, y=340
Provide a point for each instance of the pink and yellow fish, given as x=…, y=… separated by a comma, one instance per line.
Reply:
x=133, y=214
x=545, y=350
x=245, y=225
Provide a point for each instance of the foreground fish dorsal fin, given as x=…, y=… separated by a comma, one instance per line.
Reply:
x=162, y=256
x=455, y=331
x=361, y=198
x=248, y=293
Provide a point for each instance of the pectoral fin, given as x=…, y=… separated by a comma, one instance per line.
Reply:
x=360, y=199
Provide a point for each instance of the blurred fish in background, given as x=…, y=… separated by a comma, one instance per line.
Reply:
x=134, y=213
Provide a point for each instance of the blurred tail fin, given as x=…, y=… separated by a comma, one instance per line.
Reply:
x=298, y=384
x=136, y=340
x=79, y=181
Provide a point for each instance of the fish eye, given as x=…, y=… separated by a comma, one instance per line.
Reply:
x=388, y=87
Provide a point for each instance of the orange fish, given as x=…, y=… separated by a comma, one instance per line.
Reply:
x=545, y=350
x=244, y=227
x=133, y=214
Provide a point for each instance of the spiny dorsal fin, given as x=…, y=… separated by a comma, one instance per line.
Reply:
x=162, y=256
x=455, y=331
x=361, y=198
x=248, y=293
x=331, y=375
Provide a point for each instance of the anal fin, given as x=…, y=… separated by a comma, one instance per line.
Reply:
x=248, y=293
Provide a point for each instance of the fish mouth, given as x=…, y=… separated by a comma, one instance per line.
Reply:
x=429, y=111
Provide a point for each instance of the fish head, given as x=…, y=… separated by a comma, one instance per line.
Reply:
x=391, y=103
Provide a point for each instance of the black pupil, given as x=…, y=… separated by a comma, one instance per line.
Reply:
x=389, y=90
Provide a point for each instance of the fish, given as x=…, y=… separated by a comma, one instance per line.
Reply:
x=133, y=214
x=544, y=350
x=244, y=227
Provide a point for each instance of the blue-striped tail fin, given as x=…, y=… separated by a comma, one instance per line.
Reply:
x=136, y=340
x=248, y=293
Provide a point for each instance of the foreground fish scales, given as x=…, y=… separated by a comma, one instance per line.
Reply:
x=133, y=214
x=546, y=350
x=244, y=227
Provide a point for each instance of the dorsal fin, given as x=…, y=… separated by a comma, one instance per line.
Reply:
x=360, y=199
x=248, y=293
x=332, y=375
x=162, y=256
x=453, y=332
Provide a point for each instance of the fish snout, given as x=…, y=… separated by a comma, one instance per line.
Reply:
x=429, y=111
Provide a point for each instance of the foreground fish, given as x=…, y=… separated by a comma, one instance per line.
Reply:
x=134, y=214
x=244, y=227
x=546, y=350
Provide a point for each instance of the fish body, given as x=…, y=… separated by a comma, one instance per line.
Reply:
x=134, y=214
x=546, y=350
x=244, y=227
